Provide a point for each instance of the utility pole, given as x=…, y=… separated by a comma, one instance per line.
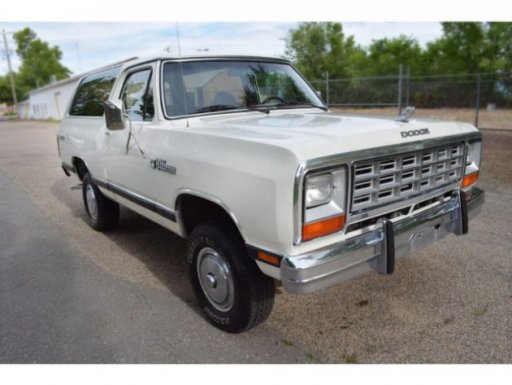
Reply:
x=11, y=75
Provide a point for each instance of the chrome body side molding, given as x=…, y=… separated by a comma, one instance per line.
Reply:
x=138, y=199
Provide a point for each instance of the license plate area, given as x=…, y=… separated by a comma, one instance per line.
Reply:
x=427, y=236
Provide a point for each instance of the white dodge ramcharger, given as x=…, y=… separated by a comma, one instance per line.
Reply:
x=241, y=156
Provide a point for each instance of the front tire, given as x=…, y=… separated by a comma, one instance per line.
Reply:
x=102, y=212
x=232, y=292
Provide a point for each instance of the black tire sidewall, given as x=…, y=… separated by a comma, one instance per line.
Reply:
x=87, y=181
x=107, y=209
x=235, y=319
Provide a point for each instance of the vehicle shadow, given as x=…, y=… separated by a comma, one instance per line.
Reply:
x=161, y=251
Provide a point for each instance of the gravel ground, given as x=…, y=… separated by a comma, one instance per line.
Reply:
x=449, y=303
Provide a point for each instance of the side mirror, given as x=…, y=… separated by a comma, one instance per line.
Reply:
x=114, y=115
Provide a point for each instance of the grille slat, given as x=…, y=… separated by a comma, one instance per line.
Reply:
x=385, y=180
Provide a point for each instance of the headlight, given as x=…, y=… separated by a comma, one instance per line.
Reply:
x=472, y=170
x=324, y=203
x=318, y=190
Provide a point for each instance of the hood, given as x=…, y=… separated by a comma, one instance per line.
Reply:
x=311, y=134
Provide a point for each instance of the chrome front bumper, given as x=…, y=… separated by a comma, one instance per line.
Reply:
x=377, y=249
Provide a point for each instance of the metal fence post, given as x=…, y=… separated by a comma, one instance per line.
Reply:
x=477, y=107
x=327, y=87
x=400, y=69
x=408, y=89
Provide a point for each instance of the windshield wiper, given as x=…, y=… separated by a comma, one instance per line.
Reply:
x=259, y=107
x=296, y=104
x=264, y=108
x=218, y=107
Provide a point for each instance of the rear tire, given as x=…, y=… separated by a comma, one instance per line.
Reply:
x=102, y=212
x=232, y=292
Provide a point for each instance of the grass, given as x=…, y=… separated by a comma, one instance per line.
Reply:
x=350, y=358
x=479, y=311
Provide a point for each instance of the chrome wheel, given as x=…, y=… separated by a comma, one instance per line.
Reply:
x=216, y=279
x=92, y=204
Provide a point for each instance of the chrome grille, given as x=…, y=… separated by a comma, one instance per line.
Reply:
x=386, y=180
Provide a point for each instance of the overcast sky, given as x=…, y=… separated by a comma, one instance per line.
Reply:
x=88, y=45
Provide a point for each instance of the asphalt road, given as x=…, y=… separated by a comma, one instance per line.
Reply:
x=70, y=294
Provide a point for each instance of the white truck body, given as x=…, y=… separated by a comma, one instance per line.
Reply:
x=254, y=164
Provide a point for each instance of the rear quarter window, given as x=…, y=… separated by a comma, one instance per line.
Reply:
x=93, y=92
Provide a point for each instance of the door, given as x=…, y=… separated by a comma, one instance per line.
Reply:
x=57, y=106
x=126, y=163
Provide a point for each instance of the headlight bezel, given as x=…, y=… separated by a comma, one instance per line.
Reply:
x=472, y=162
x=326, y=209
x=473, y=156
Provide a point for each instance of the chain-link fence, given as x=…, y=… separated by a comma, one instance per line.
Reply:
x=483, y=99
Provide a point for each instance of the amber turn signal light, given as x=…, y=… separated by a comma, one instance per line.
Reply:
x=469, y=179
x=269, y=258
x=323, y=227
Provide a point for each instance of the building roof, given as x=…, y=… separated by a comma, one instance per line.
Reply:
x=56, y=84
x=75, y=78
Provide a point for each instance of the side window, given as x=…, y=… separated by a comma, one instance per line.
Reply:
x=137, y=96
x=92, y=93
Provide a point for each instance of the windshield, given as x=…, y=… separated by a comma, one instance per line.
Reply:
x=207, y=86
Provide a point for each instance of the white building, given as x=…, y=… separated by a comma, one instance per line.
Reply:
x=24, y=109
x=51, y=101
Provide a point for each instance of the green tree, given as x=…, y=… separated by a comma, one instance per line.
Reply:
x=385, y=56
x=5, y=90
x=461, y=49
x=498, y=47
x=317, y=48
x=498, y=58
x=39, y=61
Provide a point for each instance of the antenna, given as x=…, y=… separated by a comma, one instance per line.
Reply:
x=178, y=38
x=78, y=56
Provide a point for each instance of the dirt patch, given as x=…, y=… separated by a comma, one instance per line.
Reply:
x=497, y=158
